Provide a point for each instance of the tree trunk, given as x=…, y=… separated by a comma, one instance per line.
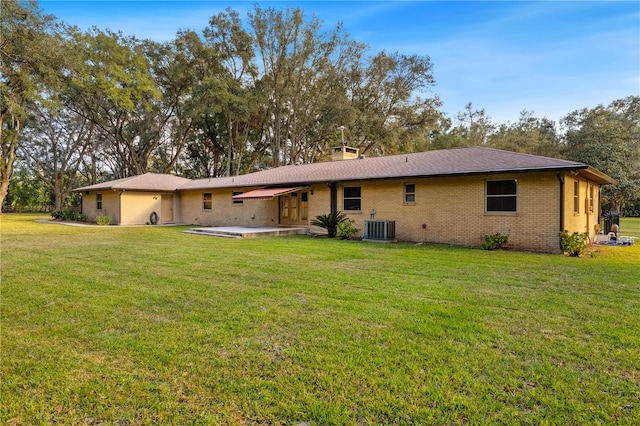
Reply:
x=8, y=158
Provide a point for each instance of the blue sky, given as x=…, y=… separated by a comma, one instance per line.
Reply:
x=549, y=57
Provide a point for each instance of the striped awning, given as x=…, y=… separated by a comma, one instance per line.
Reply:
x=265, y=193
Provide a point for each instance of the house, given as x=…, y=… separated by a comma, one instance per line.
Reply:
x=453, y=196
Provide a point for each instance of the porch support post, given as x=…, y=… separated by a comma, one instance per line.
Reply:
x=334, y=197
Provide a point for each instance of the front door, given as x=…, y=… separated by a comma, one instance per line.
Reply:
x=294, y=208
x=166, y=212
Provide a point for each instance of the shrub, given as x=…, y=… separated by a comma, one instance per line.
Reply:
x=574, y=244
x=330, y=222
x=103, y=220
x=346, y=230
x=494, y=242
x=69, y=215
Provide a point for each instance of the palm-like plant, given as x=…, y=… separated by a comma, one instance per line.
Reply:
x=330, y=222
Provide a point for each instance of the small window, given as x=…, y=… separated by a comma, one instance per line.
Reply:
x=98, y=201
x=207, y=201
x=576, y=197
x=410, y=193
x=237, y=201
x=502, y=195
x=352, y=198
x=591, y=202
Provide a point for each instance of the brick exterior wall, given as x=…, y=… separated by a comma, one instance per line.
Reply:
x=452, y=210
x=447, y=210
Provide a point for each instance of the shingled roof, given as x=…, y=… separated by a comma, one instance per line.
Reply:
x=447, y=162
x=145, y=182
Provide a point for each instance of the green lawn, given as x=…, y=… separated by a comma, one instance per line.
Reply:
x=128, y=326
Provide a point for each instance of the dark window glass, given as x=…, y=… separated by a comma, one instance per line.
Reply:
x=409, y=193
x=237, y=201
x=352, y=192
x=207, y=201
x=502, y=196
x=352, y=198
x=501, y=187
x=99, y=201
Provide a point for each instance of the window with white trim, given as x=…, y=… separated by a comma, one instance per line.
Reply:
x=591, y=201
x=502, y=196
x=98, y=201
x=410, y=193
x=576, y=197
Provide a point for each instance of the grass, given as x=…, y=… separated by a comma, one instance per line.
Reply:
x=108, y=325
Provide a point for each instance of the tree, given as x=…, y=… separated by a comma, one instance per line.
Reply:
x=474, y=126
x=113, y=87
x=54, y=144
x=607, y=138
x=529, y=135
x=388, y=117
x=300, y=84
x=31, y=56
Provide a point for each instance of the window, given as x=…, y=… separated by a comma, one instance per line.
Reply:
x=576, y=197
x=409, y=193
x=237, y=201
x=591, y=206
x=98, y=201
x=352, y=199
x=502, y=195
x=207, y=201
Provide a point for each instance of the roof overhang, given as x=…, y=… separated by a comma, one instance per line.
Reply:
x=596, y=175
x=266, y=193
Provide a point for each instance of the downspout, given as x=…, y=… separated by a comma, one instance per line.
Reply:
x=587, y=210
x=561, y=204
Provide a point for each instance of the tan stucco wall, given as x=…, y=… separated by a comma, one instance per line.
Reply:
x=452, y=210
x=584, y=220
x=128, y=207
x=110, y=205
x=138, y=206
x=224, y=212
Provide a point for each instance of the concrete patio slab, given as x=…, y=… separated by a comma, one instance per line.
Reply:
x=245, y=232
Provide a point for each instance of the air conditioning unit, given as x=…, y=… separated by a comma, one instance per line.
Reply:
x=382, y=230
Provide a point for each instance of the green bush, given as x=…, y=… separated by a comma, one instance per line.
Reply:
x=346, y=230
x=103, y=220
x=494, y=242
x=330, y=222
x=69, y=215
x=574, y=244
